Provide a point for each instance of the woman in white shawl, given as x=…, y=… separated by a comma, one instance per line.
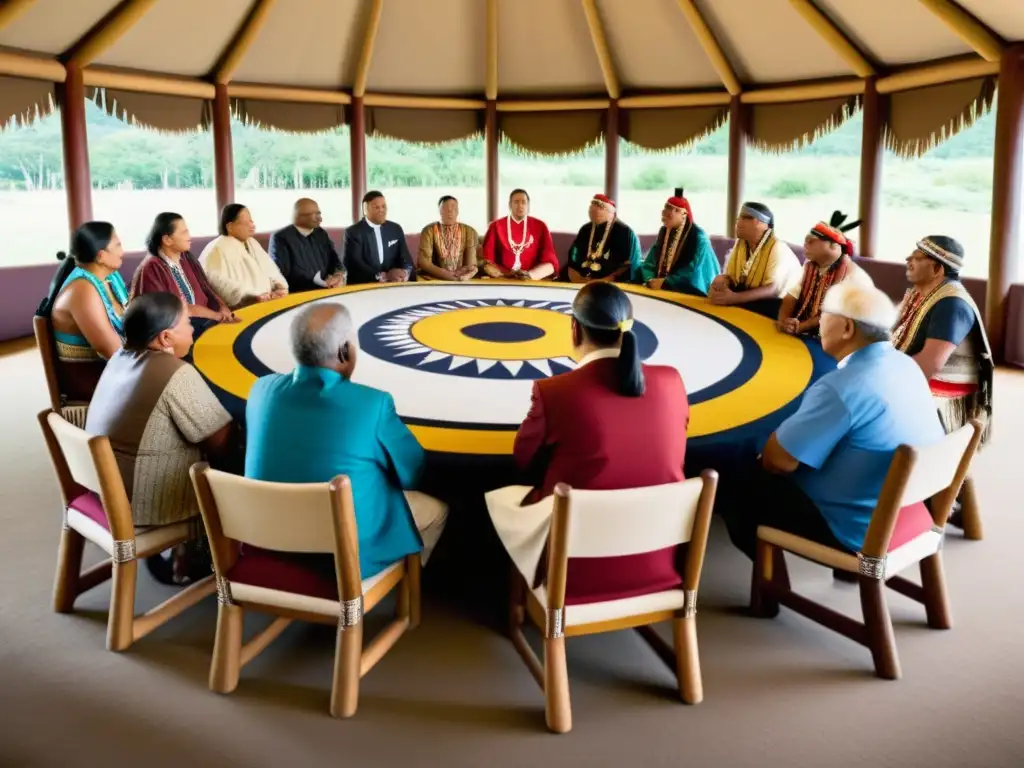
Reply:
x=238, y=268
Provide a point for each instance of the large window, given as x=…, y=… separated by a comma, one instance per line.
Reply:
x=947, y=191
x=414, y=176
x=33, y=207
x=804, y=186
x=647, y=179
x=560, y=186
x=274, y=168
x=139, y=172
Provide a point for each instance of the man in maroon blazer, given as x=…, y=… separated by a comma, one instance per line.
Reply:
x=612, y=423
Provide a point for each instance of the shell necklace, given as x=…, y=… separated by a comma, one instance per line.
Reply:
x=522, y=245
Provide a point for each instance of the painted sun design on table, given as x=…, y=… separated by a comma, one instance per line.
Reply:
x=479, y=338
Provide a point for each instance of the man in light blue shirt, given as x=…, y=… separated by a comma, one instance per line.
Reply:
x=823, y=468
x=314, y=423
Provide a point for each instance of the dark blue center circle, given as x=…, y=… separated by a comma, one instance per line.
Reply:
x=503, y=333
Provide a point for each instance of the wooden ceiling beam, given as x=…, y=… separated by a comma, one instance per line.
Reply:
x=553, y=105
x=797, y=92
x=604, y=54
x=12, y=9
x=106, y=32
x=230, y=60
x=366, y=55
x=491, y=86
x=676, y=100
x=147, y=82
x=980, y=38
x=287, y=93
x=834, y=37
x=710, y=45
x=16, y=64
x=936, y=73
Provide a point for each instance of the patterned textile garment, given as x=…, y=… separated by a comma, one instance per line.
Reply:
x=79, y=365
x=810, y=289
x=601, y=251
x=448, y=247
x=155, y=409
x=772, y=261
x=513, y=245
x=962, y=390
x=684, y=258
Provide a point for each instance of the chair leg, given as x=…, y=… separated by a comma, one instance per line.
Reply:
x=122, y=606
x=517, y=600
x=557, y=706
x=878, y=624
x=69, y=567
x=936, y=600
x=766, y=563
x=684, y=635
x=413, y=573
x=347, y=653
x=227, y=649
x=969, y=512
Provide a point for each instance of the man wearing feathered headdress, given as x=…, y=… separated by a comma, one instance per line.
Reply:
x=681, y=259
x=759, y=267
x=829, y=255
x=941, y=327
x=605, y=248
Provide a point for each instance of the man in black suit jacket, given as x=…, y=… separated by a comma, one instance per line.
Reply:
x=304, y=252
x=375, y=248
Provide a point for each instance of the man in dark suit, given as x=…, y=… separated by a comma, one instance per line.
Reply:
x=375, y=248
x=304, y=252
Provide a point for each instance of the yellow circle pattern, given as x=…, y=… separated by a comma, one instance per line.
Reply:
x=785, y=370
x=444, y=333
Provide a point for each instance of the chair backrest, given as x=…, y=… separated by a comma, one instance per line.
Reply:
x=623, y=543
x=47, y=346
x=932, y=472
x=85, y=462
x=286, y=517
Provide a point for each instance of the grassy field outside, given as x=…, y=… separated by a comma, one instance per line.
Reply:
x=800, y=190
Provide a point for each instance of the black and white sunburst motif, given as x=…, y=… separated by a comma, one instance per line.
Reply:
x=390, y=337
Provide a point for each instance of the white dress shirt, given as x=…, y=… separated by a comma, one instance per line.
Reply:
x=380, y=242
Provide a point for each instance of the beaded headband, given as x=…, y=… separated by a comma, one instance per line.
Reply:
x=937, y=252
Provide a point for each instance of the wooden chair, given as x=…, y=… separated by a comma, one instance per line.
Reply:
x=902, y=532
x=48, y=352
x=96, y=509
x=274, y=518
x=644, y=530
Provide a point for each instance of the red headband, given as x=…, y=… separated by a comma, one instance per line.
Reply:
x=823, y=231
x=604, y=199
x=682, y=204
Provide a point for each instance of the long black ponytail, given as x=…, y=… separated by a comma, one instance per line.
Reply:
x=86, y=243
x=605, y=314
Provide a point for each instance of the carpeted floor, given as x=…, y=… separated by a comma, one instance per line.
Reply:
x=454, y=692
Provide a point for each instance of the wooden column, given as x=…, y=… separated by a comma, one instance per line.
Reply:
x=357, y=171
x=872, y=150
x=77, y=181
x=223, y=154
x=611, y=150
x=491, y=152
x=1004, y=250
x=739, y=127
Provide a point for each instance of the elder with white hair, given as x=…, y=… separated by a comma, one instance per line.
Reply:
x=822, y=470
x=314, y=423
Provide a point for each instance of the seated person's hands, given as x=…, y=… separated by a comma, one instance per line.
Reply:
x=656, y=283
x=721, y=295
x=264, y=297
x=491, y=270
x=721, y=281
x=278, y=293
x=227, y=316
x=466, y=273
x=790, y=325
x=336, y=280
x=396, y=275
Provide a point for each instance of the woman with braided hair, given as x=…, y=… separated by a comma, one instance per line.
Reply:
x=829, y=255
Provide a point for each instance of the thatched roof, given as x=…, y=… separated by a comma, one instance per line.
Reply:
x=700, y=51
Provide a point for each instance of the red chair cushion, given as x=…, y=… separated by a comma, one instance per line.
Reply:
x=286, y=572
x=597, y=579
x=89, y=504
x=911, y=522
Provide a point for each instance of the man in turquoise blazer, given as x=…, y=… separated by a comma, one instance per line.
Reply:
x=314, y=423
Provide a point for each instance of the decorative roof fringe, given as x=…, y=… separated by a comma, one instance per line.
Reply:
x=515, y=148
x=114, y=109
x=239, y=114
x=30, y=114
x=716, y=124
x=477, y=135
x=967, y=117
x=834, y=121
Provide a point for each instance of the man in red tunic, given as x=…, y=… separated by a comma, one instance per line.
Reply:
x=518, y=246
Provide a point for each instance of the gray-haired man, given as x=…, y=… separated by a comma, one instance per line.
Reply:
x=314, y=423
